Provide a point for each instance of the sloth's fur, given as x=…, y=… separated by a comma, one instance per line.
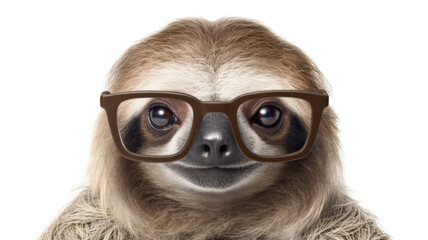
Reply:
x=86, y=219
x=129, y=200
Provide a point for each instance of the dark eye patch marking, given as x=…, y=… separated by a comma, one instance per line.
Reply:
x=133, y=137
x=296, y=136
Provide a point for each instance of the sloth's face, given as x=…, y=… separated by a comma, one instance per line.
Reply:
x=160, y=126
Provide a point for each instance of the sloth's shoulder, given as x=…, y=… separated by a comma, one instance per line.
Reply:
x=344, y=218
x=83, y=218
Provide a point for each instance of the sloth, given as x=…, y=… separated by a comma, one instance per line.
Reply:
x=204, y=139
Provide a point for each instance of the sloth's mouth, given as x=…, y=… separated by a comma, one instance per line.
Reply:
x=200, y=167
x=218, y=177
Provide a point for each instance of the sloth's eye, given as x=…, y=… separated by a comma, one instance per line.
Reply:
x=161, y=117
x=267, y=116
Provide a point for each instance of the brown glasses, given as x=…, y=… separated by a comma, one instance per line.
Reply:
x=160, y=126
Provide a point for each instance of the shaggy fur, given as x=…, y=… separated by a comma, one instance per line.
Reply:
x=219, y=60
x=86, y=219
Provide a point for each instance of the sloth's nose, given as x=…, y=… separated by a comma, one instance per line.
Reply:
x=215, y=144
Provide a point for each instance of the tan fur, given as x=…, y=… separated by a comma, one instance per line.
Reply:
x=215, y=61
x=85, y=219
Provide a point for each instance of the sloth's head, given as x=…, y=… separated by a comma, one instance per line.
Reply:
x=206, y=142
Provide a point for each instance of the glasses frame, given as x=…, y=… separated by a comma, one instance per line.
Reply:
x=111, y=101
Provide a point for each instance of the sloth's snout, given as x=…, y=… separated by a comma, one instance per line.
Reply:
x=215, y=144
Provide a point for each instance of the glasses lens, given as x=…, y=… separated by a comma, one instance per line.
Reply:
x=154, y=126
x=274, y=126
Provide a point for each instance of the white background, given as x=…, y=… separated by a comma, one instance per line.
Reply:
x=54, y=58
